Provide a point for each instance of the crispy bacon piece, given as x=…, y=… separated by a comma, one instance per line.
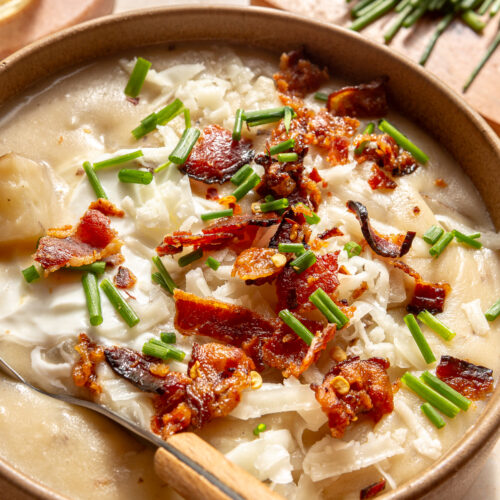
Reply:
x=107, y=208
x=330, y=233
x=84, y=371
x=258, y=265
x=292, y=229
x=216, y=157
x=91, y=240
x=397, y=246
x=368, y=390
x=294, y=289
x=298, y=76
x=379, y=180
x=472, y=381
x=367, y=100
x=167, y=423
x=220, y=233
x=212, y=194
x=372, y=490
x=124, y=278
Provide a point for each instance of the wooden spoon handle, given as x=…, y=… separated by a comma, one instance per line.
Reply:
x=192, y=485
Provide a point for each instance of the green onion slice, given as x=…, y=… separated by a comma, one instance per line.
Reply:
x=273, y=206
x=287, y=157
x=403, y=141
x=169, y=112
x=131, y=176
x=434, y=324
x=445, y=390
x=281, y=147
x=303, y=261
x=94, y=180
x=419, y=338
x=93, y=298
x=137, y=77
x=260, y=428
x=167, y=281
x=238, y=121
x=242, y=174
x=119, y=303
x=433, y=415
x=352, y=249
x=260, y=117
x=187, y=118
x=296, y=248
x=190, y=257
x=217, y=215
x=168, y=337
x=212, y=263
x=433, y=234
x=30, y=274
x=247, y=185
x=118, y=160
x=186, y=143
x=493, y=312
x=296, y=326
x=469, y=240
x=441, y=244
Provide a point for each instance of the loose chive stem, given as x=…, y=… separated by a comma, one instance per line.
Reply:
x=441, y=244
x=95, y=267
x=445, y=390
x=398, y=22
x=352, y=249
x=238, y=120
x=158, y=279
x=131, y=176
x=434, y=324
x=321, y=96
x=287, y=157
x=403, y=141
x=167, y=279
x=441, y=27
x=162, y=167
x=414, y=16
x=155, y=350
x=303, y=261
x=281, y=147
x=401, y=5
x=118, y=302
x=296, y=248
x=328, y=308
x=181, y=152
x=287, y=118
x=168, y=337
x=433, y=415
x=212, y=263
x=94, y=180
x=360, y=6
x=137, y=77
x=472, y=20
x=147, y=125
x=311, y=219
x=187, y=118
x=243, y=173
x=217, y=215
x=362, y=145
x=433, y=234
x=260, y=428
x=169, y=112
x=269, y=198
x=369, y=129
x=493, y=312
x=261, y=116
x=172, y=352
x=187, y=259
x=366, y=10
x=463, y=238
x=419, y=338
x=430, y=395
x=30, y=274
x=484, y=7
x=93, y=298
x=495, y=8
x=484, y=59
x=117, y=160
x=248, y=184
x=296, y=326
x=373, y=15
x=275, y=205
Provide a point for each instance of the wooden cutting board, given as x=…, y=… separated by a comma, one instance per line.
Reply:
x=42, y=17
x=454, y=57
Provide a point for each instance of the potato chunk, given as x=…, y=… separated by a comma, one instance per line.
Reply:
x=28, y=200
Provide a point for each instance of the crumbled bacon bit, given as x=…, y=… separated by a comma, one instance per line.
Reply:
x=343, y=270
x=372, y=490
x=216, y=157
x=472, y=381
x=84, y=371
x=416, y=210
x=385, y=246
x=367, y=100
x=379, y=180
x=297, y=75
x=314, y=175
x=257, y=265
x=124, y=278
x=356, y=294
x=440, y=183
x=107, y=208
x=212, y=194
x=330, y=233
x=167, y=424
x=370, y=393
x=133, y=100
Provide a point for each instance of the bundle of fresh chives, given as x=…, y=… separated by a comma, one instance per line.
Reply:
x=119, y=303
x=445, y=390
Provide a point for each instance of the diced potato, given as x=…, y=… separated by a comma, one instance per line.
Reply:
x=28, y=200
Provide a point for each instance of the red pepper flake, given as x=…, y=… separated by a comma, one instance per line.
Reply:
x=372, y=490
x=416, y=210
x=440, y=183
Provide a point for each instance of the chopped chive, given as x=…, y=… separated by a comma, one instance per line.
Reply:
x=286, y=157
x=433, y=415
x=117, y=160
x=263, y=121
x=360, y=6
x=181, y=152
x=187, y=118
x=243, y=173
x=93, y=298
x=248, y=184
x=217, y=215
x=493, y=312
x=361, y=147
x=260, y=428
x=373, y=14
x=419, y=338
x=403, y=141
x=434, y=324
x=445, y=390
x=168, y=337
x=158, y=279
x=172, y=352
x=169, y=112
x=137, y=77
x=94, y=180
x=314, y=218
x=95, y=267
x=321, y=96
x=273, y=206
x=369, y=129
x=441, y=244
x=296, y=326
x=398, y=22
x=368, y=8
x=212, y=263
x=147, y=125
x=131, y=176
x=430, y=395
x=433, y=234
x=352, y=249
x=155, y=350
x=327, y=306
x=119, y=303
x=238, y=121
x=287, y=118
x=469, y=240
x=281, y=147
x=441, y=27
x=303, y=261
x=260, y=117
x=162, y=167
x=190, y=257
x=168, y=283
x=296, y=248
x=30, y=274
x=269, y=198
